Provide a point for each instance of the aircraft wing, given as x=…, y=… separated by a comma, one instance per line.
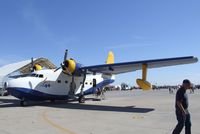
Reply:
x=124, y=67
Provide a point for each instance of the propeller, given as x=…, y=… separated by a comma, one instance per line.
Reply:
x=69, y=66
x=66, y=54
x=57, y=69
x=66, y=65
x=64, y=61
x=32, y=65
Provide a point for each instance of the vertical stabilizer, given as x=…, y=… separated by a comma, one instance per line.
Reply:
x=111, y=58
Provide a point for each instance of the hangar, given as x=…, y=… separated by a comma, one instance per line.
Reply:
x=22, y=67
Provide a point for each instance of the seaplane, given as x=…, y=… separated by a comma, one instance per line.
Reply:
x=73, y=80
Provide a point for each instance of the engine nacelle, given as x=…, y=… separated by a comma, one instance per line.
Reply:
x=145, y=85
x=70, y=67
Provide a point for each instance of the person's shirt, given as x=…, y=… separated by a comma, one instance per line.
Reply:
x=182, y=97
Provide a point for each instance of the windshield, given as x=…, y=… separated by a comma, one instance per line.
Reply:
x=27, y=75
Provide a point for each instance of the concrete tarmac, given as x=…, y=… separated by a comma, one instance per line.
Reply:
x=123, y=112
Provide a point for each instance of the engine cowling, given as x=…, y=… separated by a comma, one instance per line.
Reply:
x=70, y=67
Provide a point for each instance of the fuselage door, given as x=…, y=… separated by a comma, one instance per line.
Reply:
x=94, y=83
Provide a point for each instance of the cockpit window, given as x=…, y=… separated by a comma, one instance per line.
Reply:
x=33, y=75
x=28, y=75
x=41, y=76
x=23, y=75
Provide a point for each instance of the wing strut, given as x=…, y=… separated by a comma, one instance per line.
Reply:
x=144, y=72
x=81, y=98
x=143, y=83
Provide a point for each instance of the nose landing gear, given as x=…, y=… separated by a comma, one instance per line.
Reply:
x=23, y=102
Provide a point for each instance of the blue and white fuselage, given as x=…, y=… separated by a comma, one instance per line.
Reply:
x=54, y=85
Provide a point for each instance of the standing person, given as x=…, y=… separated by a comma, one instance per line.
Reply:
x=170, y=90
x=182, y=113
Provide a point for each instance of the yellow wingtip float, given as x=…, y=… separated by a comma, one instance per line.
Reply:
x=111, y=58
x=143, y=83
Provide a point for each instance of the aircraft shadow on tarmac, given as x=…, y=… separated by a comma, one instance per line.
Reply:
x=5, y=103
x=128, y=109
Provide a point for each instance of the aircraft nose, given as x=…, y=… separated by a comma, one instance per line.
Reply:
x=5, y=85
x=9, y=83
x=8, y=86
x=19, y=83
x=12, y=83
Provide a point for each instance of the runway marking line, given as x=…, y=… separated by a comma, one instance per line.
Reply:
x=138, y=117
x=53, y=124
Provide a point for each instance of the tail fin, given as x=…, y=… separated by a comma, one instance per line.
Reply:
x=111, y=58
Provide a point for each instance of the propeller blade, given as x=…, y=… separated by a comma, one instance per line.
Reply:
x=57, y=69
x=32, y=65
x=66, y=54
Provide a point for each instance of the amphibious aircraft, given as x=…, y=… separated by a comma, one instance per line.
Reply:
x=73, y=80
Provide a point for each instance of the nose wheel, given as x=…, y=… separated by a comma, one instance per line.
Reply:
x=23, y=103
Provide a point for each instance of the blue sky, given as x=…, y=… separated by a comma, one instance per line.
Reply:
x=132, y=29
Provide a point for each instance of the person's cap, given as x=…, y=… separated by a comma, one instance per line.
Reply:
x=186, y=81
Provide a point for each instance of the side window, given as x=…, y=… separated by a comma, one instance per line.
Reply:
x=59, y=81
x=66, y=82
x=41, y=76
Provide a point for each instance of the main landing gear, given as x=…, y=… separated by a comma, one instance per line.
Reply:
x=81, y=99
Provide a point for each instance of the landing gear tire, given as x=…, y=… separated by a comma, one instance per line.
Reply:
x=81, y=99
x=52, y=100
x=23, y=103
x=67, y=100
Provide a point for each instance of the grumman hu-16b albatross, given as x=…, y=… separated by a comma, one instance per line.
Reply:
x=73, y=80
